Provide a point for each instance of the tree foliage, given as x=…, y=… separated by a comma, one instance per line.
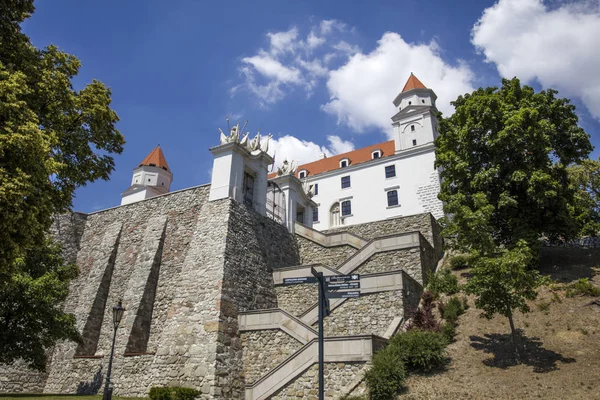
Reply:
x=585, y=179
x=53, y=139
x=504, y=282
x=504, y=153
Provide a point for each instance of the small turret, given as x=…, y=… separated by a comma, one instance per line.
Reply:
x=415, y=122
x=151, y=178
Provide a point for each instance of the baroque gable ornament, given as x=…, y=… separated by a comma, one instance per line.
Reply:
x=287, y=168
x=254, y=146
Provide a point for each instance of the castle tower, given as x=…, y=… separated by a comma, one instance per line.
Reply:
x=240, y=170
x=415, y=123
x=151, y=178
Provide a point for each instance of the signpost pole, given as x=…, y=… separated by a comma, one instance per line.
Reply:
x=322, y=304
x=321, y=352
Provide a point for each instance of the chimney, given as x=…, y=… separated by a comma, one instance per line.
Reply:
x=322, y=156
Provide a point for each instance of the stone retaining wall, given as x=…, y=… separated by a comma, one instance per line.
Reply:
x=338, y=376
x=424, y=223
x=296, y=299
x=368, y=314
x=313, y=253
x=265, y=350
x=187, y=267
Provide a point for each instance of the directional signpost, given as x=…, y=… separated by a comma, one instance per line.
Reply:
x=326, y=283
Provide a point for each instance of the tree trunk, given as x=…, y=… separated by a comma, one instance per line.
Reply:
x=514, y=335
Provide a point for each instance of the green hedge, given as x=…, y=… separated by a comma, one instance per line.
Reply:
x=386, y=376
x=420, y=350
x=442, y=282
x=173, y=393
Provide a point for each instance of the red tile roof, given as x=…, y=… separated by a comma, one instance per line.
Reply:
x=156, y=158
x=413, y=83
x=356, y=157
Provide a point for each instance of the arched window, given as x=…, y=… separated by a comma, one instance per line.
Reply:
x=334, y=215
x=375, y=154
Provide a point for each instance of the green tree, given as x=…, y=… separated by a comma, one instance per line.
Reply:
x=53, y=139
x=504, y=155
x=585, y=178
x=503, y=283
x=507, y=149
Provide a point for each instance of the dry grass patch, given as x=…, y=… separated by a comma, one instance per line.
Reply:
x=560, y=342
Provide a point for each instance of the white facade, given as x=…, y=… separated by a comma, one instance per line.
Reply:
x=410, y=184
x=415, y=181
x=298, y=204
x=240, y=174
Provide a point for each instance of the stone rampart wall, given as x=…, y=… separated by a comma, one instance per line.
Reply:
x=67, y=230
x=424, y=223
x=368, y=314
x=255, y=245
x=408, y=260
x=313, y=253
x=296, y=299
x=184, y=267
x=265, y=350
x=338, y=377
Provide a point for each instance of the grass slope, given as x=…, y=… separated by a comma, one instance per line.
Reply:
x=560, y=341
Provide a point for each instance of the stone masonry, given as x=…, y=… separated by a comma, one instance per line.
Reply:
x=185, y=268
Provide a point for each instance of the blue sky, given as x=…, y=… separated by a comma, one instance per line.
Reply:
x=320, y=76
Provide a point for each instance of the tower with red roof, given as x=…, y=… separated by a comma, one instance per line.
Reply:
x=152, y=177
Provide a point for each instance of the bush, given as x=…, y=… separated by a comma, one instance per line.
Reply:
x=183, y=393
x=460, y=261
x=452, y=310
x=449, y=331
x=420, y=350
x=442, y=282
x=386, y=376
x=583, y=287
x=173, y=393
x=423, y=317
x=161, y=393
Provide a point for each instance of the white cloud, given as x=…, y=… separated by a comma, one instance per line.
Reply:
x=292, y=61
x=271, y=68
x=362, y=90
x=283, y=41
x=302, y=151
x=559, y=47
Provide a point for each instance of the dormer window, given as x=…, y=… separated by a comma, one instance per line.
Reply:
x=375, y=154
x=412, y=128
x=409, y=103
x=344, y=162
x=302, y=174
x=423, y=101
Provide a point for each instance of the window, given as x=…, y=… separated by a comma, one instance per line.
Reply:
x=346, y=207
x=300, y=216
x=423, y=101
x=248, y=189
x=302, y=174
x=316, y=215
x=412, y=128
x=392, y=198
x=376, y=154
x=414, y=142
x=345, y=182
x=344, y=163
x=316, y=189
x=409, y=103
x=390, y=171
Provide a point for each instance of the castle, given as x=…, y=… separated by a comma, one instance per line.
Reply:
x=200, y=270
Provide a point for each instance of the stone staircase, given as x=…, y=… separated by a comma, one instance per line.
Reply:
x=355, y=329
